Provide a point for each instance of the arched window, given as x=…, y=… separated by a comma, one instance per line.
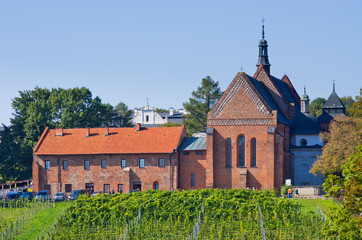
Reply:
x=192, y=179
x=241, y=151
x=228, y=152
x=155, y=185
x=253, y=152
x=303, y=142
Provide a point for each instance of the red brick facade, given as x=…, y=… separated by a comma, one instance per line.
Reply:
x=254, y=113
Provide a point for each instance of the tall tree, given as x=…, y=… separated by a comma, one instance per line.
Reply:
x=122, y=116
x=356, y=109
x=40, y=108
x=201, y=102
x=315, y=107
x=348, y=103
x=344, y=135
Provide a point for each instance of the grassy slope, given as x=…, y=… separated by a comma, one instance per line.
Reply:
x=42, y=221
x=311, y=204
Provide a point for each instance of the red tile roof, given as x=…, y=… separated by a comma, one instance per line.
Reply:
x=119, y=140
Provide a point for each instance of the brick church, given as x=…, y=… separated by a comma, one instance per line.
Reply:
x=259, y=133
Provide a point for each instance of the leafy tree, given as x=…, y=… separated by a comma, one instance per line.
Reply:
x=201, y=102
x=171, y=124
x=122, y=116
x=315, y=107
x=346, y=221
x=356, y=109
x=348, y=103
x=161, y=110
x=344, y=135
x=40, y=108
x=10, y=158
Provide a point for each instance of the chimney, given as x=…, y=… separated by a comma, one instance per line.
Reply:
x=87, y=132
x=107, y=131
x=138, y=127
x=59, y=132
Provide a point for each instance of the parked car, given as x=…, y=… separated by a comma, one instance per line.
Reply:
x=43, y=195
x=96, y=193
x=28, y=195
x=74, y=195
x=13, y=195
x=60, y=196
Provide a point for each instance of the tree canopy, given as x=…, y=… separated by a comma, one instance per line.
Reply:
x=40, y=108
x=344, y=135
x=122, y=116
x=356, y=109
x=199, y=105
x=315, y=107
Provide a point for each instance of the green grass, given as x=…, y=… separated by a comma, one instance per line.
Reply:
x=43, y=221
x=325, y=205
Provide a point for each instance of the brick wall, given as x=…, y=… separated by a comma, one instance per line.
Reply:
x=113, y=174
x=192, y=163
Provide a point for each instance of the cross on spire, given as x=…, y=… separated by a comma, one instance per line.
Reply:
x=334, y=88
x=263, y=21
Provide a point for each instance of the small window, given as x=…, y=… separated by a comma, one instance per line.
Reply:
x=192, y=179
x=155, y=185
x=142, y=163
x=47, y=165
x=120, y=188
x=303, y=142
x=103, y=163
x=68, y=187
x=147, y=118
x=65, y=165
x=161, y=162
x=228, y=152
x=86, y=164
x=106, y=188
x=47, y=187
x=123, y=163
x=137, y=186
x=199, y=153
x=186, y=153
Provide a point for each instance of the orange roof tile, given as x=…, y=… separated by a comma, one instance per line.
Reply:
x=119, y=140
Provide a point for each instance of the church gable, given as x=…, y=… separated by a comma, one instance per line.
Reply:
x=262, y=76
x=241, y=100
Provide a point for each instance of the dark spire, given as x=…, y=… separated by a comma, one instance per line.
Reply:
x=334, y=87
x=263, y=52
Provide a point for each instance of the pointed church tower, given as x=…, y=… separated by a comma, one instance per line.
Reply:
x=263, y=53
x=334, y=105
x=304, y=103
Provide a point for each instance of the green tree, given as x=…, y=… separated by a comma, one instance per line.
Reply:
x=356, y=109
x=344, y=135
x=348, y=103
x=40, y=108
x=161, y=110
x=315, y=107
x=123, y=116
x=201, y=102
x=346, y=221
x=171, y=124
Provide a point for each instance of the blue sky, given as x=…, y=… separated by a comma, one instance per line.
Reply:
x=132, y=50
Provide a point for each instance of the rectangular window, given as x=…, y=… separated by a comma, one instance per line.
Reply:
x=161, y=162
x=120, y=188
x=186, y=153
x=68, y=187
x=47, y=187
x=123, y=163
x=103, y=163
x=47, y=165
x=142, y=163
x=137, y=186
x=65, y=165
x=106, y=188
x=86, y=164
x=199, y=152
